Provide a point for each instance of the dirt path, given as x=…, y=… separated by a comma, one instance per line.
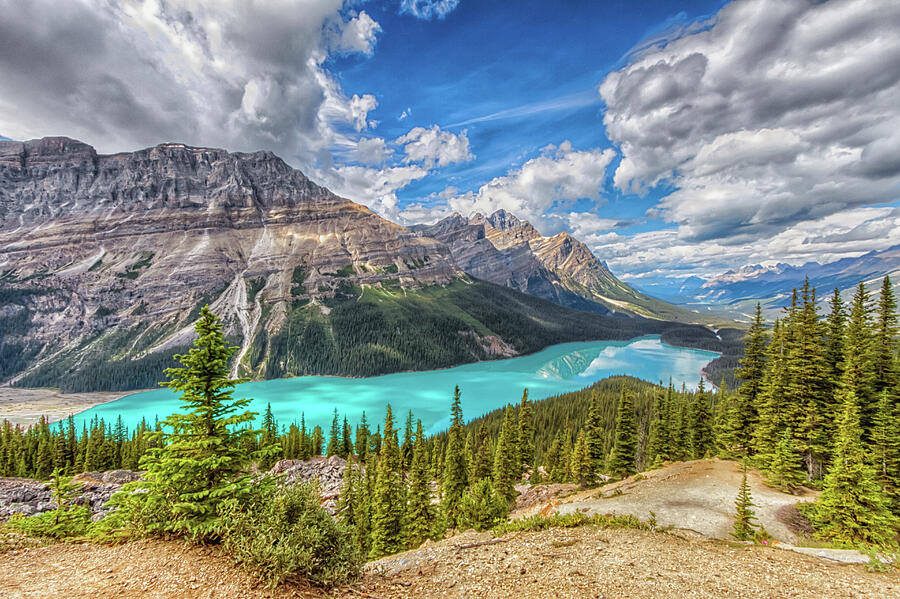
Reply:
x=26, y=406
x=697, y=495
x=576, y=563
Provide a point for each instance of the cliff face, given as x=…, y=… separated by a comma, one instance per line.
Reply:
x=130, y=245
x=505, y=250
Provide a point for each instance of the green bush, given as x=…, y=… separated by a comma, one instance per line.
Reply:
x=482, y=507
x=573, y=520
x=69, y=524
x=282, y=533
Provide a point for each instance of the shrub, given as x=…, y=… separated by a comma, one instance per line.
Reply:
x=482, y=507
x=68, y=524
x=282, y=533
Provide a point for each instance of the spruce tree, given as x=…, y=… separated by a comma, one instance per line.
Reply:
x=784, y=469
x=582, y=466
x=744, y=517
x=420, y=511
x=658, y=442
x=505, y=469
x=852, y=509
x=621, y=461
x=859, y=371
x=406, y=448
x=835, y=332
x=388, y=507
x=594, y=439
x=553, y=460
x=884, y=351
x=362, y=438
x=701, y=437
x=885, y=447
x=770, y=407
x=334, y=436
x=199, y=463
x=483, y=459
x=455, y=471
x=742, y=418
x=526, y=434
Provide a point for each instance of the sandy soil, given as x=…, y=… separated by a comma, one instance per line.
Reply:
x=577, y=563
x=26, y=406
x=697, y=495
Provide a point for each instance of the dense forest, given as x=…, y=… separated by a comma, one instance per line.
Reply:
x=366, y=332
x=818, y=405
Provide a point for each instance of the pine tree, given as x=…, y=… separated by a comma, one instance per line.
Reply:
x=852, y=509
x=483, y=459
x=884, y=350
x=743, y=417
x=482, y=507
x=455, y=472
x=346, y=440
x=388, y=507
x=859, y=371
x=658, y=442
x=420, y=511
x=770, y=408
x=526, y=434
x=406, y=448
x=582, y=466
x=594, y=439
x=885, y=447
x=199, y=463
x=362, y=438
x=334, y=436
x=505, y=471
x=835, y=326
x=621, y=461
x=784, y=469
x=701, y=437
x=743, y=520
x=553, y=458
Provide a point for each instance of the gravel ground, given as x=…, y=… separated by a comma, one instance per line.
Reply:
x=577, y=563
x=26, y=406
x=697, y=495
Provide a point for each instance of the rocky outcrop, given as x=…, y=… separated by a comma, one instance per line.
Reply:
x=508, y=251
x=326, y=472
x=29, y=497
x=132, y=244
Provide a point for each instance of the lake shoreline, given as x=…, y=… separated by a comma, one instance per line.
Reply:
x=25, y=406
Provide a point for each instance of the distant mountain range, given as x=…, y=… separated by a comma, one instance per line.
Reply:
x=105, y=261
x=773, y=284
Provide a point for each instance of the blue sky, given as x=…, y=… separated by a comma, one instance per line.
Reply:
x=674, y=138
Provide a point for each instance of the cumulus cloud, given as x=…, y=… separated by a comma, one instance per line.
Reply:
x=775, y=113
x=370, y=151
x=434, y=147
x=239, y=75
x=541, y=190
x=359, y=34
x=428, y=9
x=373, y=187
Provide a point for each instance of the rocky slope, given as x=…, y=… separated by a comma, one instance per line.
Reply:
x=105, y=261
x=508, y=251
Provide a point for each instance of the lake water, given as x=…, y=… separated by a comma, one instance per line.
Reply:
x=485, y=386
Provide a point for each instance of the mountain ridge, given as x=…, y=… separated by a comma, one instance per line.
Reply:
x=106, y=259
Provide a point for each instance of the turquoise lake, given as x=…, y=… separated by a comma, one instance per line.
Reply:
x=485, y=386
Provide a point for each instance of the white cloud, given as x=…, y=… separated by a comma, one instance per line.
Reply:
x=370, y=151
x=434, y=147
x=775, y=113
x=232, y=74
x=372, y=187
x=542, y=186
x=359, y=34
x=428, y=9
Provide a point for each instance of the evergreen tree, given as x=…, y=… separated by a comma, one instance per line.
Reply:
x=482, y=507
x=742, y=418
x=784, y=470
x=885, y=447
x=346, y=440
x=388, y=508
x=744, y=518
x=199, y=463
x=582, y=466
x=483, y=459
x=658, y=442
x=362, y=438
x=526, y=434
x=852, y=509
x=594, y=440
x=455, y=471
x=420, y=511
x=835, y=327
x=505, y=470
x=884, y=351
x=859, y=371
x=701, y=437
x=774, y=389
x=553, y=461
x=621, y=461
x=406, y=449
x=334, y=436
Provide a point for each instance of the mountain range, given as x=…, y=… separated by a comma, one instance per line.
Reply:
x=772, y=285
x=105, y=261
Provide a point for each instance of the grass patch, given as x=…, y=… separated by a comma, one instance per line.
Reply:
x=573, y=520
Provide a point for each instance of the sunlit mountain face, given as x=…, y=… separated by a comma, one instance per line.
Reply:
x=677, y=141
